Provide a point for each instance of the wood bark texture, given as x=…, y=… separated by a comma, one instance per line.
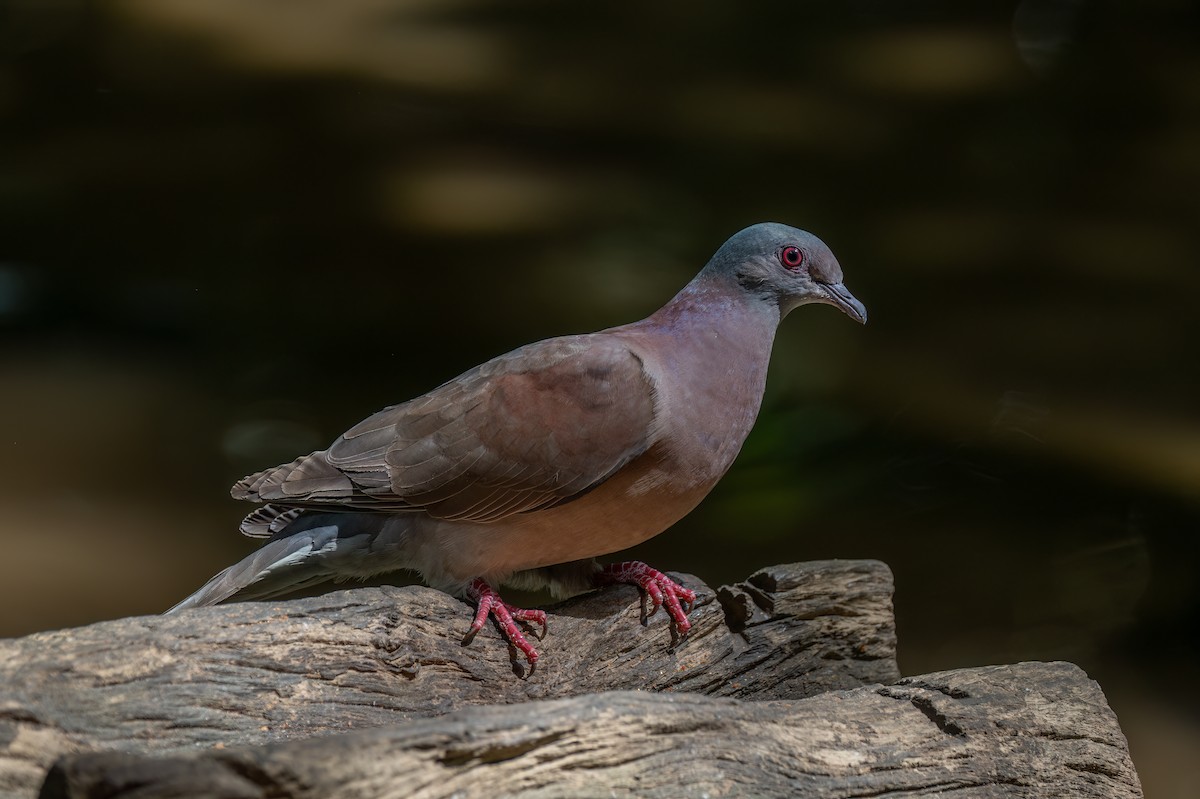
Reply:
x=257, y=673
x=1029, y=730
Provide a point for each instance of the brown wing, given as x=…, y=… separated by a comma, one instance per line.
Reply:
x=529, y=429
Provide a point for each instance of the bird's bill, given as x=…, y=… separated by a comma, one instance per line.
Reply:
x=840, y=296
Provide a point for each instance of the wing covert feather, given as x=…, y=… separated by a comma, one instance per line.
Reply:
x=529, y=429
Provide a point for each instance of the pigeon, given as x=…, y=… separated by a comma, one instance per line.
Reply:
x=525, y=469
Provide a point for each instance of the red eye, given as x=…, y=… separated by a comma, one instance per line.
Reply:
x=791, y=257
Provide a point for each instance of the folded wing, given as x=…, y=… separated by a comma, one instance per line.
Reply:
x=533, y=428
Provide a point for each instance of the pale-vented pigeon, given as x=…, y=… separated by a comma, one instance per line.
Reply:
x=524, y=469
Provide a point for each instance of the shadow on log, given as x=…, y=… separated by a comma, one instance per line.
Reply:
x=255, y=673
x=1030, y=730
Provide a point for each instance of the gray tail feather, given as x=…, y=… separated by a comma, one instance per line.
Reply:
x=283, y=565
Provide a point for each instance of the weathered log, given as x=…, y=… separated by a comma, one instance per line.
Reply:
x=1030, y=730
x=261, y=672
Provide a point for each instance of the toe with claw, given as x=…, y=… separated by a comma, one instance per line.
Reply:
x=489, y=603
x=658, y=588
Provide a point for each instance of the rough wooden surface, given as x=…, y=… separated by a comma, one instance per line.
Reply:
x=1030, y=730
x=263, y=672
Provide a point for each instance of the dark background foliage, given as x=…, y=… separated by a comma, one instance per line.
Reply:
x=229, y=230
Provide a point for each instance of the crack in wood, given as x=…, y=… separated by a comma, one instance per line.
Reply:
x=463, y=755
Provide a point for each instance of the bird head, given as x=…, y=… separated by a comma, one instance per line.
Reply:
x=785, y=266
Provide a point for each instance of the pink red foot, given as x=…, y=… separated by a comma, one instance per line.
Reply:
x=661, y=589
x=507, y=616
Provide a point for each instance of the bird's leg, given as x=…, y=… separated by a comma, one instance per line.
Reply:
x=488, y=602
x=661, y=590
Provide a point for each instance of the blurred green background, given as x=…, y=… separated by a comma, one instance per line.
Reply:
x=230, y=229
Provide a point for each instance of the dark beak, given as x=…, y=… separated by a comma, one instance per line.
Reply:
x=840, y=296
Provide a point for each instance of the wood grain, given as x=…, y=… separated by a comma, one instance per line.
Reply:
x=1029, y=730
x=256, y=673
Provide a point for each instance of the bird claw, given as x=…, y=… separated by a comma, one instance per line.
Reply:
x=648, y=608
x=530, y=618
x=677, y=640
x=489, y=603
x=659, y=590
